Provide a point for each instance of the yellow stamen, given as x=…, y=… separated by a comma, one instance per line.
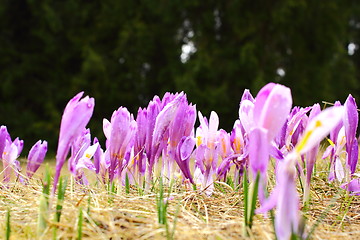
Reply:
x=303, y=142
x=198, y=140
x=331, y=142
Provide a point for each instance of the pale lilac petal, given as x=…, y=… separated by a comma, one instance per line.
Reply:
x=258, y=150
x=351, y=118
x=36, y=157
x=213, y=127
x=272, y=107
x=165, y=117
x=236, y=138
x=247, y=96
x=106, y=128
x=187, y=148
x=327, y=152
x=275, y=152
x=76, y=116
x=246, y=115
x=318, y=128
x=352, y=186
x=287, y=211
x=353, y=157
x=334, y=132
x=339, y=170
x=270, y=202
x=4, y=135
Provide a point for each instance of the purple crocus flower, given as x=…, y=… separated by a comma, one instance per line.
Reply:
x=271, y=109
x=207, y=151
x=284, y=195
x=247, y=96
x=184, y=150
x=311, y=156
x=84, y=162
x=351, y=119
x=78, y=147
x=76, y=116
x=10, y=154
x=353, y=186
x=97, y=156
x=181, y=134
x=333, y=150
x=152, y=112
x=272, y=106
x=287, y=214
x=295, y=127
x=36, y=157
x=246, y=115
x=123, y=128
x=259, y=150
x=4, y=135
x=140, y=140
x=225, y=153
x=161, y=131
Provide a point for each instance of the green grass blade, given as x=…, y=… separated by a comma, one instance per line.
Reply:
x=253, y=199
x=60, y=198
x=8, y=225
x=42, y=215
x=246, y=199
x=80, y=223
x=127, y=184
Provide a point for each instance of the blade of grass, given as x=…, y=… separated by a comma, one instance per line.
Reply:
x=253, y=200
x=80, y=223
x=246, y=192
x=8, y=225
x=59, y=203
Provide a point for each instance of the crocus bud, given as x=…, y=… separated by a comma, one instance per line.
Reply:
x=76, y=116
x=36, y=157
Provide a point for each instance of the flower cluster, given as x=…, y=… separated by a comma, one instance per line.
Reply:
x=163, y=137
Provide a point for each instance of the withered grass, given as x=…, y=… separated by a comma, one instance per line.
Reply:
x=196, y=216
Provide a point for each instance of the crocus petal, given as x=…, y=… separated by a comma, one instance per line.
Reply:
x=318, y=128
x=106, y=128
x=258, y=150
x=272, y=107
x=123, y=129
x=275, y=152
x=339, y=170
x=353, y=157
x=165, y=117
x=186, y=148
x=246, y=115
x=327, y=152
x=4, y=135
x=351, y=118
x=19, y=144
x=335, y=130
x=352, y=186
x=36, y=157
x=247, y=96
x=84, y=161
x=9, y=159
x=287, y=213
x=76, y=116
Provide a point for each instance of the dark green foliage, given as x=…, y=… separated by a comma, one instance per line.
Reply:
x=125, y=52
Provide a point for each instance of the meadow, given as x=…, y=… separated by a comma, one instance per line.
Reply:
x=283, y=172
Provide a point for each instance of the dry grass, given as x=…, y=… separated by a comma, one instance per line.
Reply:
x=134, y=216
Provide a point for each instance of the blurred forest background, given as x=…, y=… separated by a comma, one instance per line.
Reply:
x=123, y=52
